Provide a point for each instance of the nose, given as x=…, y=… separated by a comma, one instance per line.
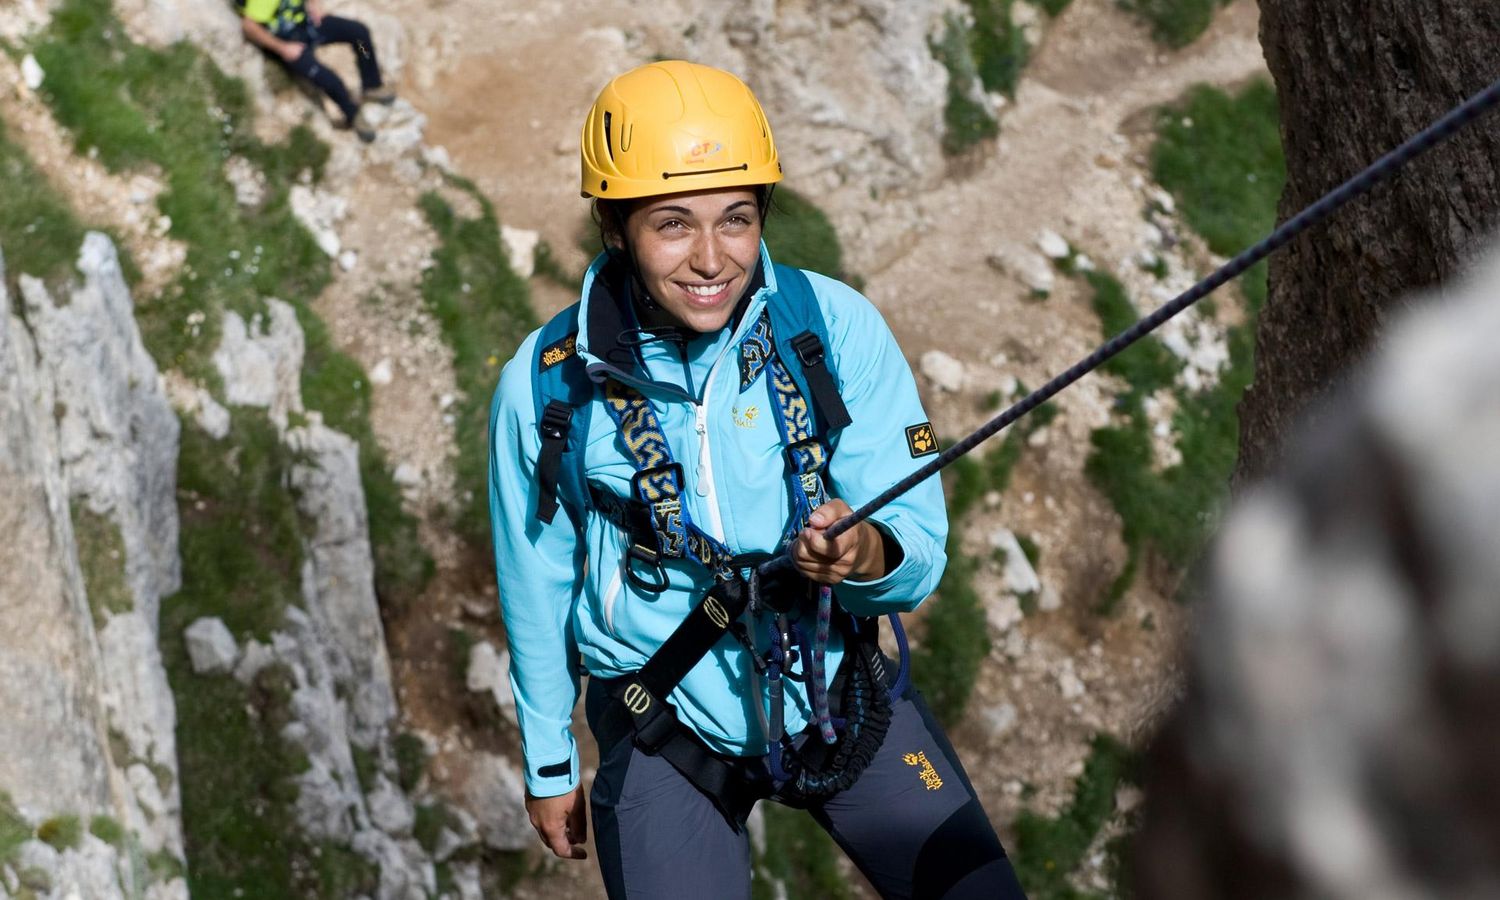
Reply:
x=707, y=259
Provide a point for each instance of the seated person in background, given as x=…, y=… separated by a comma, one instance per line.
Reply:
x=292, y=30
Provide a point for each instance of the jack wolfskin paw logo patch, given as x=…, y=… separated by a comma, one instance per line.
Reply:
x=559, y=351
x=925, y=771
x=921, y=440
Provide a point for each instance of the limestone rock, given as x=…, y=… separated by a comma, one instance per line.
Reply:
x=1033, y=270
x=1052, y=244
x=261, y=362
x=31, y=72
x=495, y=793
x=1020, y=577
x=320, y=211
x=1347, y=654
x=520, y=249
x=945, y=372
x=210, y=646
x=489, y=672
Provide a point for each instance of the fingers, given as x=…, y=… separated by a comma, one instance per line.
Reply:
x=578, y=824
x=820, y=558
x=559, y=822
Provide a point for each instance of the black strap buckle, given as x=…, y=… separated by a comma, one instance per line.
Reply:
x=642, y=554
x=809, y=348
x=557, y=418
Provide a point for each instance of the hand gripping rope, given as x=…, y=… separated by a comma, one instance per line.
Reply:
x=1382, y=170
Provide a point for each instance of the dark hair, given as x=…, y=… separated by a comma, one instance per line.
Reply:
x=609, y=215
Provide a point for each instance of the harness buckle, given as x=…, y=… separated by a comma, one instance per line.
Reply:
x=654, y=724
x=557, y=418
x=809, y=348
x=658, y=483
x=639, y=553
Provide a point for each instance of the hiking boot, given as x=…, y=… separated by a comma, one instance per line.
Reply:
x=382, y=95
x=360, y=125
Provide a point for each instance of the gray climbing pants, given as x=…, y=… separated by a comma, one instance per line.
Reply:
x=912, y=823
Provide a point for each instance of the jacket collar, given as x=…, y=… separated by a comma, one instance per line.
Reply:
x=605, y=319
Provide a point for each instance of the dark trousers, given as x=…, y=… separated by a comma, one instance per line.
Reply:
x=335, y=31
x=911, y=823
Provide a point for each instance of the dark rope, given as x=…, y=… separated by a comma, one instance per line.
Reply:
x=1383, y=169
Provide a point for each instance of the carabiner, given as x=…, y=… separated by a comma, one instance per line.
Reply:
x=651, y=558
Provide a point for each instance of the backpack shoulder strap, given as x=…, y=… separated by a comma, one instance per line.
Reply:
x=561, y=391
x=802, y=335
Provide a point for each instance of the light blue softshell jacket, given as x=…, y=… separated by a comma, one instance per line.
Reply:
x=562, y=592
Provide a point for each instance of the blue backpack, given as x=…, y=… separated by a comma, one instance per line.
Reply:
x=564, y=393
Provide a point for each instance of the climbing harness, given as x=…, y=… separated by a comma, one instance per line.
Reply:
x=1380, y=171
x=659, y=529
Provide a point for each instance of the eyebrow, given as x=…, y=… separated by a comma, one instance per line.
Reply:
x=684, y=211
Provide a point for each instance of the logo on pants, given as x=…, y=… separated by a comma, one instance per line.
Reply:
x=925, y=771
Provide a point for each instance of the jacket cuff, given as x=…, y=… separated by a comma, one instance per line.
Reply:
x=552, y=776
x=898, y=590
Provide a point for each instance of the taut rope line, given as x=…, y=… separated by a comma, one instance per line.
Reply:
x=1382, y=170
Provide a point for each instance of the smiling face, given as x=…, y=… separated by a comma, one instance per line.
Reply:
x=696, y=253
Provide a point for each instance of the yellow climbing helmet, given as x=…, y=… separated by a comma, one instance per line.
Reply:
x=675, y=126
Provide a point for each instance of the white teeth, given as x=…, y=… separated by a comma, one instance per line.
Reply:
x=704, y=290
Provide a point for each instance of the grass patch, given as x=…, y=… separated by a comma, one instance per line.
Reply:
x=411, y=760
x=998, y=45
x=798, y=234
x=966, y=119
x=801, y=855
x=484, y=310
x=241, y=539
x=38, y=231
x=173, y=109
x=14, y=829
x=108, y=830
x=1226, y=172
x=1049, y=850
x=1175, y=23
x=101, y=556
x=1053, y=7
x=1226, y=169
x=61, y=832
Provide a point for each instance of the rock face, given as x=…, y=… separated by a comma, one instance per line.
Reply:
x=872, y=93
x=1338, y=736
x=89, y=437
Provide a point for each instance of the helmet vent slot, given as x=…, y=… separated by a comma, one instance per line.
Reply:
x=608, y=144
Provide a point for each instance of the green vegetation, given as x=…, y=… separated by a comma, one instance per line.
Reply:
x=805, y=858
x=1053, y=7
x=956, y=639
x=999, y=47
x=14, y=829
x=798, y=234
x=1050, y=850
x=411, y=760
x=1226, y=173
x=967, y=121
x=1220, y=156
x=62, y=832
x=1175, y=23
x=484, y=310
x=108, y=830
x=101, y=556
x=172, y=108
x=37, y=229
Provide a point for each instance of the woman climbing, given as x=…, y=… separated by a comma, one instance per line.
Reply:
x=698, y=410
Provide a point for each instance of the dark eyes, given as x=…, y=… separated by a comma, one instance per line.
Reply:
x=735, y=222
